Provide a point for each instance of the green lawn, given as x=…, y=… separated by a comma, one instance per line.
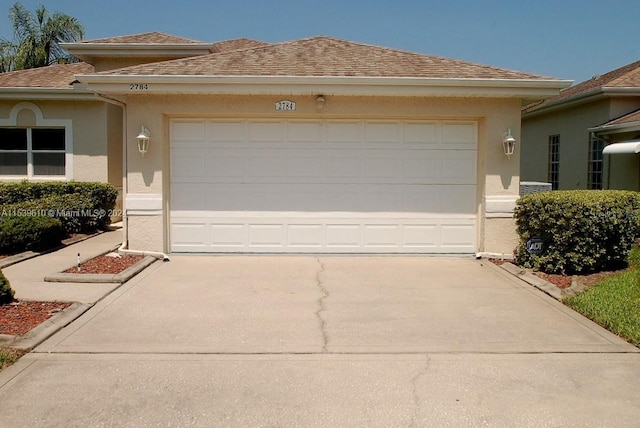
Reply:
x=614, y=303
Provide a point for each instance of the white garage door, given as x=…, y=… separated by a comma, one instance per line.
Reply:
x=332, y=186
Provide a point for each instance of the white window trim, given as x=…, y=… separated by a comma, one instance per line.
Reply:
x=41, y=122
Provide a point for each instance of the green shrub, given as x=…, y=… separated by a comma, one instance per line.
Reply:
x=30, y=233
x=581, y=230
x=6, y=292
x=102, y=196
x=74, y=211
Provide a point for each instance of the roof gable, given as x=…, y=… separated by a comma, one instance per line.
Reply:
x=325, y=56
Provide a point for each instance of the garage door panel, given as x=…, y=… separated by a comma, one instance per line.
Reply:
x=323, y=186
x=455, y=235
x=305, y=132
x=459, y=167
x=226, y=131
x=304, y=197
x=417, y=134
x=188, y=130
x=310, y=236
x=343, y=132
x=382, y=132
x=189, y=164
x=319, y=234
x=459, y=135
x=383, y=236
x=265, y=132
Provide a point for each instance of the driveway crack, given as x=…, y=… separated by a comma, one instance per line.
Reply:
x=414, y=391
x=322, y=305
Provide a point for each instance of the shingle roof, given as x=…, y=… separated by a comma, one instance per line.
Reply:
x=623, y=77
x=632, y=117
x=155, y=37
x=54, y=76
x=325, y=56
x=237, y=44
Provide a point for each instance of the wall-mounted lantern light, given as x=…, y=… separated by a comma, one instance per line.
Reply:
x=508, y=143
x=320, y=102
x=143, y=140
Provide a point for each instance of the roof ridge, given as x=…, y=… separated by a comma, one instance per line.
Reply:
x=408, y=52
x=143, y=34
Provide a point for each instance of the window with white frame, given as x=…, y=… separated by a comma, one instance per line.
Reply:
x=554, y=161
x=32, y=152
x=594, y=179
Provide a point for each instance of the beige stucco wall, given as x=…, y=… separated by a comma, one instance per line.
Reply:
x=572, y=125
x=89, y=127
x=497, y=175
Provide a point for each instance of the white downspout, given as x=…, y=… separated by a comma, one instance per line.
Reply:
x=501, y=256
x=122, y=249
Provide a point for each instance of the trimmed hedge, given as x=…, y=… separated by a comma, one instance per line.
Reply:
x=31, y=233
x=102, y=196
x=74, y=211
x=6, y=292
x=582, y=231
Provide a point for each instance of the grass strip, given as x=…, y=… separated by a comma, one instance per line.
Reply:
x=614, y=303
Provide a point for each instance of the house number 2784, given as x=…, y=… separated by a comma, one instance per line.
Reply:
x=138, y=86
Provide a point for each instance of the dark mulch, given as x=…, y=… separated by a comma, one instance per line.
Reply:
x=21, y=316
x=564, y=281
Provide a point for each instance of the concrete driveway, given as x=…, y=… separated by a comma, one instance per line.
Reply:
x=325, y=341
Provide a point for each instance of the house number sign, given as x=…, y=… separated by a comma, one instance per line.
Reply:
x=285, y=105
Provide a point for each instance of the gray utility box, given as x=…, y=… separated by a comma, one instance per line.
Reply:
x=529, y=187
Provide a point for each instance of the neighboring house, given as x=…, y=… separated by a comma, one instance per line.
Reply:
x=316, y=145
x=563, y=137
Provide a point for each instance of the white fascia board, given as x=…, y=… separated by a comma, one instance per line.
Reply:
x=399, y=86
x=46, y=94
x=581, y=98
x=630, y=91
x=616, y=129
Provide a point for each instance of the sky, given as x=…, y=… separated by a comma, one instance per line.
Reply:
x=567, y=39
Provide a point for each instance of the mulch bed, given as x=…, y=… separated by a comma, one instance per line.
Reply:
x=21, y=316
x=105, y=264
x=564, y=281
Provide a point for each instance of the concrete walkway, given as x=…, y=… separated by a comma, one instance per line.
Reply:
x=329, y=341
x=27, y=277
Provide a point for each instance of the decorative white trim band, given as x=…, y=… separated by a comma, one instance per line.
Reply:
x=500, y=205
x=143, y=204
